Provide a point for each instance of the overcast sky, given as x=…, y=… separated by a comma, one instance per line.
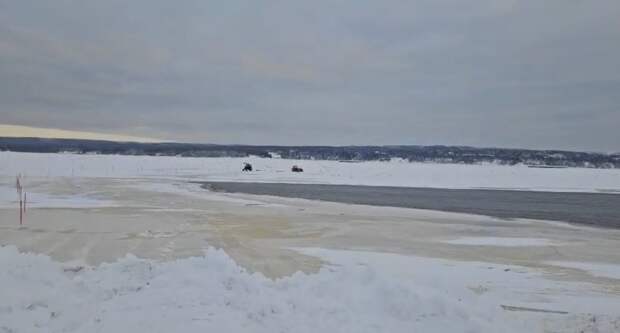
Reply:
x=530, y=73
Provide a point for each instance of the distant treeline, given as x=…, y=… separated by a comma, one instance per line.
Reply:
x=438, y=154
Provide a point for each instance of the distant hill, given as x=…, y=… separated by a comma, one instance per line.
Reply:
x=437, y=154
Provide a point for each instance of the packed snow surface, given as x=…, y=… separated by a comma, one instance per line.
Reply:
x=595, y=269
x=394, y=173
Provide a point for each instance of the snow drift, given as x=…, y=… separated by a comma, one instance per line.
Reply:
x=212, y=293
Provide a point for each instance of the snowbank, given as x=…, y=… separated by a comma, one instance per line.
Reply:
x=395, y=173
x=361, y=292
x=212, y=293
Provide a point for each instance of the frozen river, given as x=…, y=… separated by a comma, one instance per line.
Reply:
x=600, y=209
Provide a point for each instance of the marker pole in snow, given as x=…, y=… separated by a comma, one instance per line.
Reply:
x=22, y=199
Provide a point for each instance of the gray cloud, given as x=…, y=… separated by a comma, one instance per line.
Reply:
x=528, y=73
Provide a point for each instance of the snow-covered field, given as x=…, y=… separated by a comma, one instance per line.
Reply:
x=514, y=276
x=394, y=173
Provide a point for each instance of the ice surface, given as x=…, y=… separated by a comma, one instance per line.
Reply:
x=357, y=292
x=595, y=269
x=395, y=173
x=9, y=199
x=500, y=241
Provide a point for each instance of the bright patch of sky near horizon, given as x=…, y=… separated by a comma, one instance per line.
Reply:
x=13, y=131
x=484, y=73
